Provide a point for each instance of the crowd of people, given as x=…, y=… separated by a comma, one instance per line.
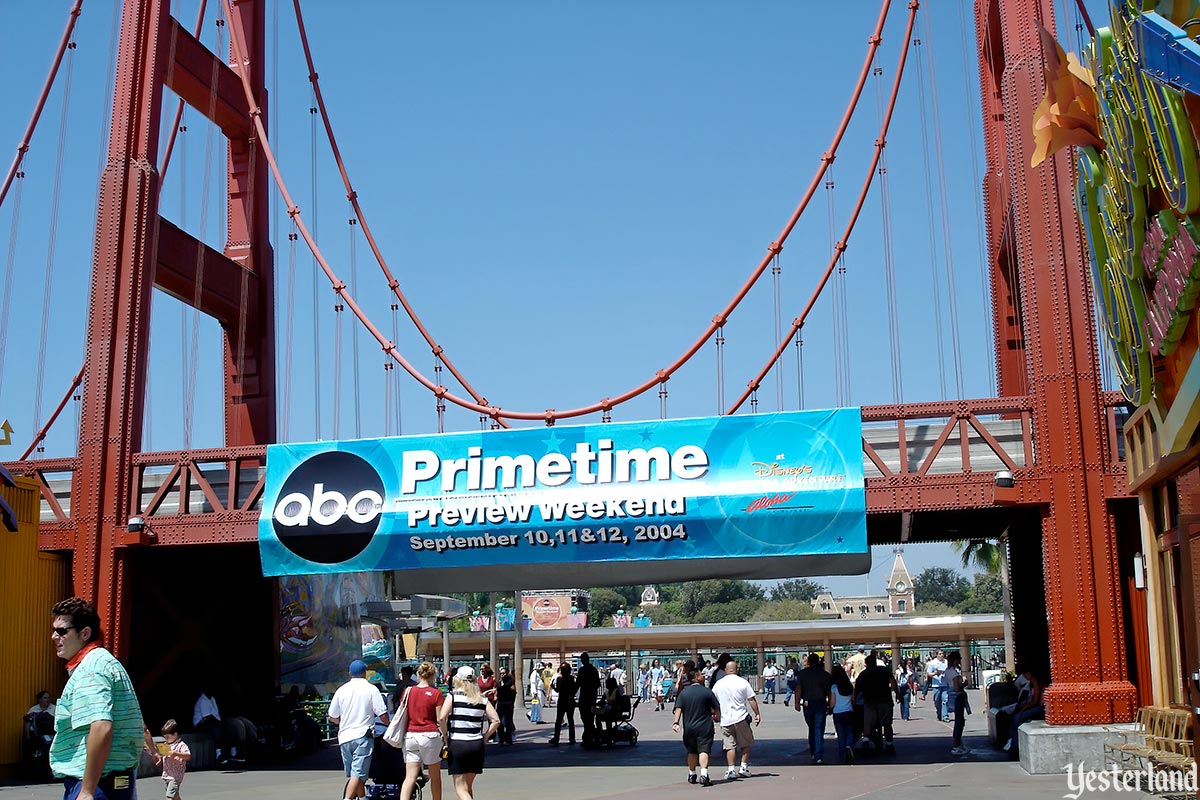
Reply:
x=94, y=737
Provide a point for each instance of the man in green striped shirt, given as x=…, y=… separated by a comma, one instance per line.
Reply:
x=98, y=724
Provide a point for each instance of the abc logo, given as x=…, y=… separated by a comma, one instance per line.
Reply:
x=329, y=508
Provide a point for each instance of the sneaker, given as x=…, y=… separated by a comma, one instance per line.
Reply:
x=849, y=756
x=818, y=760
x=705, y=780
x=552, y=742
x=730, y=775
x=959, y=751
x=692, y=778
x=744, y=772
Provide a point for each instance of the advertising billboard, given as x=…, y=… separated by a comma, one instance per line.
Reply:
x=756, y=496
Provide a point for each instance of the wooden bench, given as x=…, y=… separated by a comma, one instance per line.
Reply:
x=1172, y=748
x=1160, y=736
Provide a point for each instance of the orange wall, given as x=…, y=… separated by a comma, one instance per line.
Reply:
x=30, y=583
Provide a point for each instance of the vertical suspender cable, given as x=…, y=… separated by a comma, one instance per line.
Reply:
x=980, y=223
x=662, y=400
x=440, y=405
x=52, y=239
x=889, y=261
x=289, y=330
x=720, y=343
x=337, y=368
x=799, y=370
x=10, y=266
x=934, y=281
x=840, y=286
x=354, y=331
x=387, y=398
x=394, y=373
x=944, y=203
x=776, y=269
x=183, y=309
x=835, y=317
x=316, y=302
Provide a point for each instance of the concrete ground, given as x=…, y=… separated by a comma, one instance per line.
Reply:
x=922, y=769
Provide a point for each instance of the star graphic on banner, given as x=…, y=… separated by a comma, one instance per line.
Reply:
x=646, y=435
x=840, y=540
x=553, y=443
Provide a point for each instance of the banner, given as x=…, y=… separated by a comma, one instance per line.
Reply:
x=550, y=612
x=756, y=496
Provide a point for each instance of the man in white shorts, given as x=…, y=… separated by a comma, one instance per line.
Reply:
x=736, y=696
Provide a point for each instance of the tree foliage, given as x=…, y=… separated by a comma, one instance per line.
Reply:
x=739, y=610
x=796, y=589
x=980, y=554
x=603, y=603
x=935, y=609
x=695, y=595
x=666, y=613
x=784, y=611
x=940, y=585
x=986, y=597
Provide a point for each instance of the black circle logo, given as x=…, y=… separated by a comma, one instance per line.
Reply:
x=329, y=507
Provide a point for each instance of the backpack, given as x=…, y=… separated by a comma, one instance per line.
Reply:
x=791, y=679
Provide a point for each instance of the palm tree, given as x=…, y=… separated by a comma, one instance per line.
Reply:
x=984, y=554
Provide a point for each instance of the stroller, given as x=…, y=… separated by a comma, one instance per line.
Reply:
x=387, y=773
x=615, y=724
x=38, y=733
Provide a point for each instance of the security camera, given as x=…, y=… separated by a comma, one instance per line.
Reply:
x=136, y=524
x=1004, y=479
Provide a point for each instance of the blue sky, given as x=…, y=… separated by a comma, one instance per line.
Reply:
x=567, y=192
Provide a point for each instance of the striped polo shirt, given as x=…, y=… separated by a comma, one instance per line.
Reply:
x=98, y=689
x=466, y=718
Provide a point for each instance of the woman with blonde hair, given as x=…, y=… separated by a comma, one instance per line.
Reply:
x=423, y=741
x=468, y=719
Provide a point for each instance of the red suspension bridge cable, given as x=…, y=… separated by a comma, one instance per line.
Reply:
x=23, y=146
x=352, y=195
x=659, y=379
x=880, y=143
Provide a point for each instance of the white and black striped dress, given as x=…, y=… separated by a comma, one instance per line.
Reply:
x=466, y=724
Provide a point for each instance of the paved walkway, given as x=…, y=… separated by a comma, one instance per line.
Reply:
x=922, y=769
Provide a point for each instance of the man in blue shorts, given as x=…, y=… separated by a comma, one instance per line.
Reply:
x=98, y=723
x=354, y=707
x=696, y=709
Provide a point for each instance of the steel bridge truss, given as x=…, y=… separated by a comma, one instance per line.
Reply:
x=952, y=452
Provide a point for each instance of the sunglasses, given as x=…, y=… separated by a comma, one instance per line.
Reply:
x=62, y=631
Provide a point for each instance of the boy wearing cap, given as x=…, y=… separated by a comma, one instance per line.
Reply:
x=354, y=707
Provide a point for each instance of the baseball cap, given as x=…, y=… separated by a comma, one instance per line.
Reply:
x=358, y=668
x=465, y=674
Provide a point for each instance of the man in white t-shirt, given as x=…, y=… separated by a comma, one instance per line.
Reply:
x=935, y=670
x=770, y=676
x=618, y=674
x=354, y=707
x=736, y=696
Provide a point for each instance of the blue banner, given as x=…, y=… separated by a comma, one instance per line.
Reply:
x=756, y=496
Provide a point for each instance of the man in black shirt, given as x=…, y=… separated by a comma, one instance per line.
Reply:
x=696, y=709
x=813, y=686
x=564, y=685
x=879, y=691
x=588, y=681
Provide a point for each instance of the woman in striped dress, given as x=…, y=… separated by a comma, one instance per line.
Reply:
x=468, y=719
